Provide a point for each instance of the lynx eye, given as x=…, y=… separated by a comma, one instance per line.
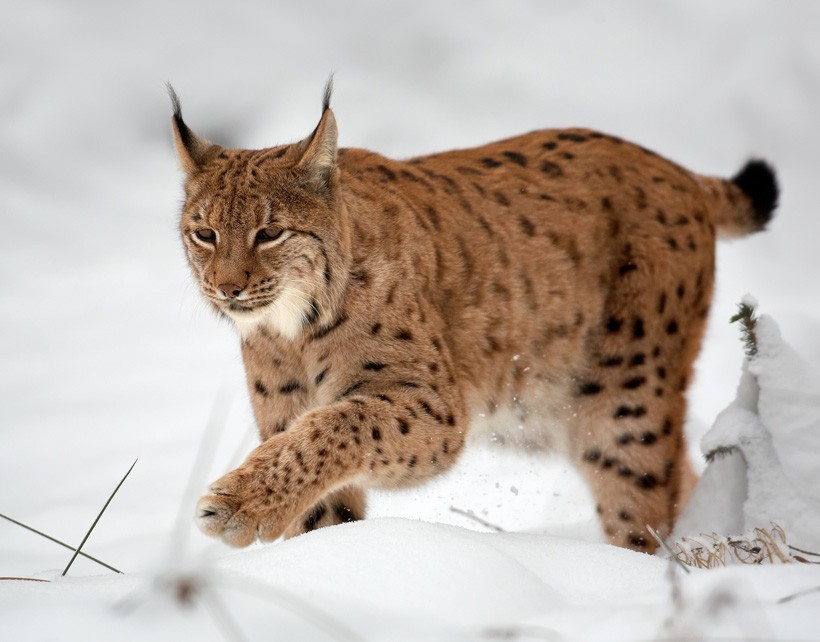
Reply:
x=206, y=235
x=268, y=234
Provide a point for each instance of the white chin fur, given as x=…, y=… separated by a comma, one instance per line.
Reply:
x=285, y=316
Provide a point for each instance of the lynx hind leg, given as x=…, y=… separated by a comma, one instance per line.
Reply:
x=339, y=507
x=630, y=443
x=632, y=454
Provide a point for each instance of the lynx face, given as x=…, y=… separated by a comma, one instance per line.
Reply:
x=263, y=246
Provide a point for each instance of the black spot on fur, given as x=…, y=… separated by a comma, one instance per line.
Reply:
x=551, y=169
x=613, y=324
x=612, y=362
x=626, y=268
x=647, y=481
x=575, y=138
x=624, y=438
x=590, y=388
x=637, y=359
x=314, y=517
x=376, y=434
x=344, y=514
x=404, y=427
x=526, y=225
x=549, y=145
x=352, y=388
x=326, y=330
x=592, y=455
x=388, y=173
x=373, y=365
x=516, y=158
x=648, y=438
x=639, y=541
x=626, y=411
x=490, y=162
x=321, y=376
x=501, y=199
x=260, y=388
x=290, y=387
x=634, y=382
x=404, y=335
x=374, y=329
x=672, y=328
x=638, y=330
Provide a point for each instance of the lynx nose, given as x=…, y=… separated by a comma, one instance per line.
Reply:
x=230, y=290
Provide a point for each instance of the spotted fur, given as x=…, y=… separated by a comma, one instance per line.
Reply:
x=563, y=275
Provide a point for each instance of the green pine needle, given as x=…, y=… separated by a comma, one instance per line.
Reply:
x=102, y=510
x=748, y=325
x=719, y=452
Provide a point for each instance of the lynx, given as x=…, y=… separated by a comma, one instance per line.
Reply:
x=564, y=276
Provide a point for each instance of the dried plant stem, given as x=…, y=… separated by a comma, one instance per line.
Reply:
x=22, y=579
x=794, y=596
x=476, y=518
x=94, y=524
x=665, y=547
x=800, y=550
x=56, y=541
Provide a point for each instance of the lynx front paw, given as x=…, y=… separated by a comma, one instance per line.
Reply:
x=240, y=508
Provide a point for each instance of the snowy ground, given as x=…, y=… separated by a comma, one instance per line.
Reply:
x=107, y=353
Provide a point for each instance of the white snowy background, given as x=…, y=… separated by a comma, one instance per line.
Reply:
x=107, y=354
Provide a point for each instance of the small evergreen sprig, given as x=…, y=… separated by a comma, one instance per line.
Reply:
x=748, y=326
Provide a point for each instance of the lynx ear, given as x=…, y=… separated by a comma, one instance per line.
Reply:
x=318, y=159
x=191, y=149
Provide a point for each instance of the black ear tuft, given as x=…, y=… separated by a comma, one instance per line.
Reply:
x=184, y=132
x=758, y=181
x=327, y=94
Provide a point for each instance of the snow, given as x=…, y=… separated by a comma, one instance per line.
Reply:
x=108, y=353
x=771, y=437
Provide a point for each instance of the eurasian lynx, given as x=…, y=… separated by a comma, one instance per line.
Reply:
x=564, y=275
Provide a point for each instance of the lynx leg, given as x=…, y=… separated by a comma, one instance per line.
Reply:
x=342, y=506
x=387, y=439
x=633, y=455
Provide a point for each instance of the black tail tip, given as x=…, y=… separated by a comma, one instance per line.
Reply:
x=758, y=181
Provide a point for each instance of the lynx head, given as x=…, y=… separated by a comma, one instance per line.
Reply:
x=265, y=231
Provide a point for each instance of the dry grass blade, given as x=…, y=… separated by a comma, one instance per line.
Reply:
x=657, y=537
x=800, y=550
x=476, y=518
x=102, y=510
x=22, y=579
x=794, y=596
x=56, y=541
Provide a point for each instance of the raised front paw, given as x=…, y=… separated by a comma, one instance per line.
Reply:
x=240, y=508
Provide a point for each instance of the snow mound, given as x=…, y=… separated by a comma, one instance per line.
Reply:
x=764, y=450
